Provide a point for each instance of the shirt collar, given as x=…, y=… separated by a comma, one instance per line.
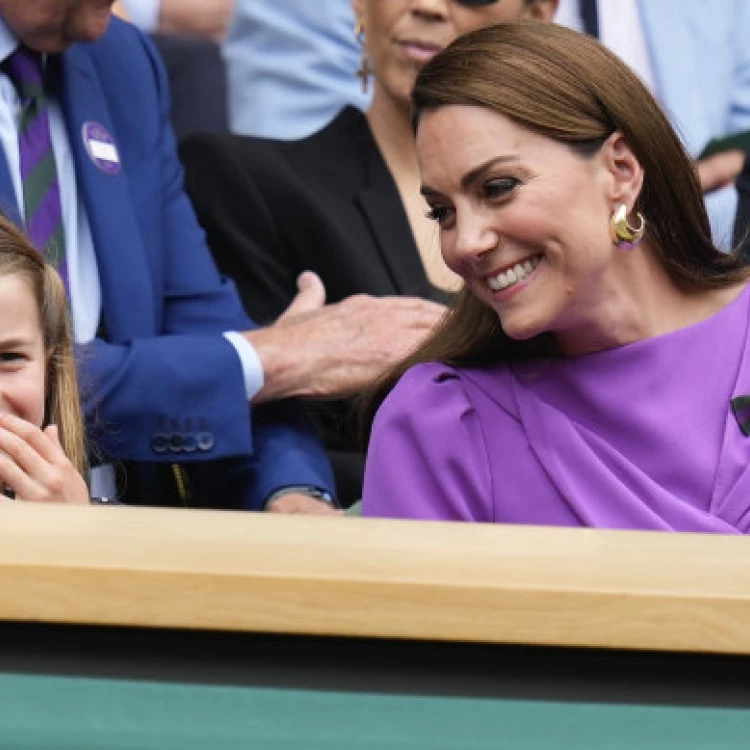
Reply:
x=8, y=41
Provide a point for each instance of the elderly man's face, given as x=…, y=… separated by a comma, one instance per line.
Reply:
x=52, y=25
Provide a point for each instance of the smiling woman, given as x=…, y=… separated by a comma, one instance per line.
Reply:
x=568, y=206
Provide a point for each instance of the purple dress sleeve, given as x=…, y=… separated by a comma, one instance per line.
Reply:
x=427, y=457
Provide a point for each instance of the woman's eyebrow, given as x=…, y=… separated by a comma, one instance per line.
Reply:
x=473, y=175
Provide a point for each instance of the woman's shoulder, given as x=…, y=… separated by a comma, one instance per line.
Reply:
x=427, y=452
x=440, y=385
x=426, y=375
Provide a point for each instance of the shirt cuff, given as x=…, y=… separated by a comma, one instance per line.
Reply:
x=143, y=13
x=252, y=368
x=722, y=211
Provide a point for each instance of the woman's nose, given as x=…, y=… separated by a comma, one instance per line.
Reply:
x=475, y=237
x=431, y=9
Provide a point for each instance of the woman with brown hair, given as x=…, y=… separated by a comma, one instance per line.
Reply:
x=595, y=371
x=42, y=450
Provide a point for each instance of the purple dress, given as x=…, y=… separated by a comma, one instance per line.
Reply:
x=638, y=437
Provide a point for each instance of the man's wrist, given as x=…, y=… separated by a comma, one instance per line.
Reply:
x=252, y=367
x=280, y=359
x=312, y=492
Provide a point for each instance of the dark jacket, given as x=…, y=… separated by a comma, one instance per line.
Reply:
x=327, y=203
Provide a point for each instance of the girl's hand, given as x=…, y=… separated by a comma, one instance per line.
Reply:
x=34, y=466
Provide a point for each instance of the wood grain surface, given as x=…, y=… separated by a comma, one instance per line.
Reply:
x=359, y=577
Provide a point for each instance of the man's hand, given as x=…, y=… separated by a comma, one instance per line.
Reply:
x=332, y=351
x=299, y=504
x=720, y=170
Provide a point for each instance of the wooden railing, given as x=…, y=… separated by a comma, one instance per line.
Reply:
x=358, y=577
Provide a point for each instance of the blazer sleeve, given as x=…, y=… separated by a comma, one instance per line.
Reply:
x=187, y=378
x=427, y=457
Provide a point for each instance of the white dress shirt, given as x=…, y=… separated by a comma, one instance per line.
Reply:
x=621, y=30
x=144, y=13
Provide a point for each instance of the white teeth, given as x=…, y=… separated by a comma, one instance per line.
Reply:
x=513, y=275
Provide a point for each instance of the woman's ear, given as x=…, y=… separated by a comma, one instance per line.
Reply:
x=539, y=10
x=623, y=170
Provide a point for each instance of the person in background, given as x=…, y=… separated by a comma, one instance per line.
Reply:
x=344, y=202
x=291, y=66
x=595, y=370
x=299, y=71
x=188, y=34
x=204, y=19
x=694, y=57
x=42, y=451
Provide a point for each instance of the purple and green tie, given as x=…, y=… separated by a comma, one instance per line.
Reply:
x=41, y=190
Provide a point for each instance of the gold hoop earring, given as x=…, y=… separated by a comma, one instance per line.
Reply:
x=623, y=235
x=365, y=69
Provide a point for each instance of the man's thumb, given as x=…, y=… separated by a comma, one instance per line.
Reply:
x=311, y=295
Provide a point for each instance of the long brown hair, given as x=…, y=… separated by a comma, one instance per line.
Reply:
x=18, y=257
x=567, y=87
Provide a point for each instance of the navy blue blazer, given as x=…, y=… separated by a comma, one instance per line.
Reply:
x=164, y=385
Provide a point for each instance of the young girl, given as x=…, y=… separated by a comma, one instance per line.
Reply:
x=42, y=455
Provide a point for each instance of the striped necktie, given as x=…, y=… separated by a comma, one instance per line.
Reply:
x=41, y=190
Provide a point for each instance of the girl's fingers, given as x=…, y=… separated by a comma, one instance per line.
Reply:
x=11, y=475
x=53, y=434
x=33, y=455
x=42, y=481
x=34, y=465
x=33, y=437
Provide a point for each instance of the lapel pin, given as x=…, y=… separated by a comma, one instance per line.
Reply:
x=741, y=409
x=101, y=148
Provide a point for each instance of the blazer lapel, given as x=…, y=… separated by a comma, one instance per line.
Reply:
x=380, y=202
x=667, y=28
x=117, y=244
x=8, y=204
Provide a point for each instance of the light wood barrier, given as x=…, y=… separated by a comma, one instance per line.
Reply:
x=356, y=577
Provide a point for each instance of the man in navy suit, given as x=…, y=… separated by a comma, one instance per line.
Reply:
x=170, y=361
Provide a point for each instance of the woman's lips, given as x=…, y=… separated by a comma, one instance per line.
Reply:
x=419, y=51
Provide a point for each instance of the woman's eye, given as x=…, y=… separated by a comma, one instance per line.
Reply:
x=500, y=187
x=440, y=214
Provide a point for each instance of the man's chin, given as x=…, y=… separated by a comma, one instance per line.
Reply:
x=89, y=29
